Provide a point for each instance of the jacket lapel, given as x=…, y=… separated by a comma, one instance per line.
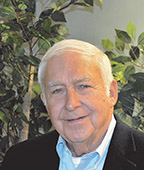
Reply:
x=121, y=153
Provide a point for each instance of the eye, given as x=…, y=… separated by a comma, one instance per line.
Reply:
x=84, y=86
x=56, y=91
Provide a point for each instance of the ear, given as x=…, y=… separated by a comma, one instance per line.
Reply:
x=41, y=96
x=43, y=100
x=113, y=92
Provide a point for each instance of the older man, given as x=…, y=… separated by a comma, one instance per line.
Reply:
x=79, y=93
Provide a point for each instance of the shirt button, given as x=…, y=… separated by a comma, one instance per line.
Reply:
x=66, y=149
x=95, y=167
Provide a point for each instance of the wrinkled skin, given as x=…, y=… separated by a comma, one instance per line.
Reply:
x=77, y=103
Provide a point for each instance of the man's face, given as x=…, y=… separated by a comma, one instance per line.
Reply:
x=76, y=97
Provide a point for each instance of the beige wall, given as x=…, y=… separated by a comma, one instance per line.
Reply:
x=100, y=23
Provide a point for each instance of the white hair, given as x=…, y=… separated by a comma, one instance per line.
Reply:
x=86, y=50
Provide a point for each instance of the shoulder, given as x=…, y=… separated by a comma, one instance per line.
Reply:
x=127, y=146
x=125, y=129
x=35, y=152
x=127, y=138
x=49, y=139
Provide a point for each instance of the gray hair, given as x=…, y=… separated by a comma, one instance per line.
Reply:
x=86, y=50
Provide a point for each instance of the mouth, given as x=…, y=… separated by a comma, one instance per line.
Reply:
x=76, y=119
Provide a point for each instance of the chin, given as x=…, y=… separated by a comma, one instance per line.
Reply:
x=76, y=139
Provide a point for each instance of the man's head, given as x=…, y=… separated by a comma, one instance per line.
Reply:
x=88, y=51
x=78, y=90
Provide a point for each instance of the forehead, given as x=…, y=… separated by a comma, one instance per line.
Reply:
x=71, y=65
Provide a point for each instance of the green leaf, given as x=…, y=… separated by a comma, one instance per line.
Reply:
x=24, y=118
x=82, y=4
x=2, y=88
x=141, y=39
x=134, y=52
x=138, y=87
x=128, y=71
x=16, y=76
x=138, y=76
x=12, y=26
x=23, y=64
x=33, y=60
x=57, y=39
x=127, y=102
x=107, y=44
x=89, y=2
x=18, y=122
x=7, y=12
x=31, y=6
x=122, y=59
x=142, y=104
x=4, y=118
x=58, y=16
x=60, y=2
x=119, y=67
x=5, y=26
x=47, y=24
x=9, y=95
x=16, y=39
x=22, y=7
x=123, y=36
x=125, y=118
x=1, y=66
x=46, y=13
x=37, y=89
x=101, y=1
x=44, y=45
x=110, y=55
x=118, y=76
x=18, y=108
x=62, y=30
x=120, y=45
x=19, y=52
x=131, y=30
x=10, y=9
x=35, y=32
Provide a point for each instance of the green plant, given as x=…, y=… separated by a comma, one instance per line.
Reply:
x=127, y=59
x=23, y=38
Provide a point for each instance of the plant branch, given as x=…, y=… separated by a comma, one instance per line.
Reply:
x=70, y=3
x=18, y=17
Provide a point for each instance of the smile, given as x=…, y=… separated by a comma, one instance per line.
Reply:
x=77, y=119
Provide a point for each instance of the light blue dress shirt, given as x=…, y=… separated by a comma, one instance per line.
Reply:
x=90, y=161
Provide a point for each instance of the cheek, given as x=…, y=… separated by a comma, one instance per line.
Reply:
x=98, y=105
x=54, y=109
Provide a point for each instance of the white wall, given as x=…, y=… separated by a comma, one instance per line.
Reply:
x=100, y=23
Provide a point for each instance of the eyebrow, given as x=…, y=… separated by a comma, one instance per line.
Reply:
x=53, y=84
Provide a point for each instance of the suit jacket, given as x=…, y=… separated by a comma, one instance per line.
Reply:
x=126, y=152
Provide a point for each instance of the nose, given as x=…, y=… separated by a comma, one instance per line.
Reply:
x=72, y=100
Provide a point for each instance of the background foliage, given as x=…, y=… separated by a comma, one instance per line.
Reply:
x=23, y=39
x=127, y=59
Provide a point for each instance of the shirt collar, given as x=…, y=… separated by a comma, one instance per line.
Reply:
x=105, y=142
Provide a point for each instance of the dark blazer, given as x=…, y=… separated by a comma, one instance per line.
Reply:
x=126, y=152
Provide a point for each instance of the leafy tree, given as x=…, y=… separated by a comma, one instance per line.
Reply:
x=23, y=39
x=127, y=59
